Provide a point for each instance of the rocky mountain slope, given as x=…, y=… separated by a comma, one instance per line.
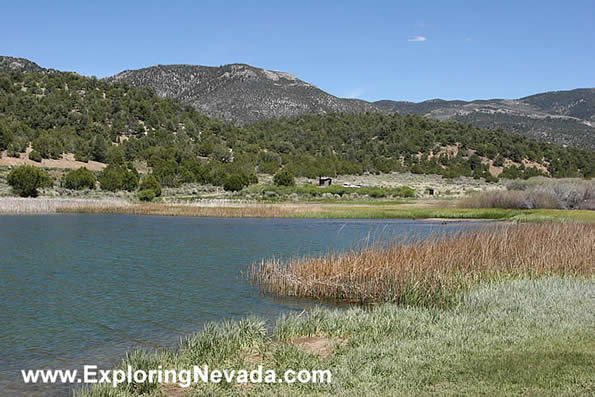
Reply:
x=244, y=94
x=564, y=117
x=58, y=116
x=240, y=93
x=12, y=64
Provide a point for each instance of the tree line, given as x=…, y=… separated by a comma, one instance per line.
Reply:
x=57, y=113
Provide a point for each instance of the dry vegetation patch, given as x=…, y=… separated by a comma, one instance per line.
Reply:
x=20, y=205
x=323, y=346
x=434, y=271
x=171, y=390
x=66, y=162
x=196, y=210
x=537, y=193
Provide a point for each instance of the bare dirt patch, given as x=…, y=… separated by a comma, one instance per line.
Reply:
x=67, y=161
x=171, y=390
x=323, y=346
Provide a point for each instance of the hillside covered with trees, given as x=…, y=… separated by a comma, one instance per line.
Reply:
x=563, y=117
x=58, y=112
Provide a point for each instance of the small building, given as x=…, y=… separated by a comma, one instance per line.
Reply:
x=324, y=181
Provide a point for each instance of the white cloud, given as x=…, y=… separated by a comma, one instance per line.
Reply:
x=356, y=93
x=417, y=39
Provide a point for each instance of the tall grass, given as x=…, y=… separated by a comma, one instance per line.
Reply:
x=522, y=337
x=18, y=205
x=436, y=270
x=228, y=209
x=537, y=193
x=207, y=208
x=196, y=210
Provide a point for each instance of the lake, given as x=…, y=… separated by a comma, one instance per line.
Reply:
x=84, y=289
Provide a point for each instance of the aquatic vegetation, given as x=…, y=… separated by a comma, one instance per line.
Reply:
x=434, y=271
x=14, y=205
x=252, y=209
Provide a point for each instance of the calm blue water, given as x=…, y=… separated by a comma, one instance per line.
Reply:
x=83, y=289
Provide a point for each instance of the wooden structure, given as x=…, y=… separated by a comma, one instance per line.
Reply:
x=324, y=181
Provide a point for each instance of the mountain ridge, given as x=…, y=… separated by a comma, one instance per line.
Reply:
x=15, y=64
x=240, y=93
x=46, y=116
x=245, y=94
x=565, y=117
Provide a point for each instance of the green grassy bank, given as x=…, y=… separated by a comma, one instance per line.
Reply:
x=523, y=337
x=379, y=211
x=420, y=209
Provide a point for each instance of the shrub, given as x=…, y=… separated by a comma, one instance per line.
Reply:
x=82, y=157
x=284, y=178
x=542, y=199
x=146, y=195
x=129, y=180
x=80, y=179
x=149, y=182
x=537, y=193
x=497, y=199
x=115, y=177
x=268, y=167
x=17, y=146
x=26, y=179
x=489, y=178
x=35, y=156
x=48, y=146
x=517, y=184
x=234, y=182
x=99, y=149
x=6, y=137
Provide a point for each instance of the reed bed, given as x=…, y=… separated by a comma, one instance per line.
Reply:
x=194, y=210
x=18, y=205
x=206, y=208
x=436, y=270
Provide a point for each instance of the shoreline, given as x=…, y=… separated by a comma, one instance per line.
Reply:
x=494, y=318
x=522, y=357
x=424, y=210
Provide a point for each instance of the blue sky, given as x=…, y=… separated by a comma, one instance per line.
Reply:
x=402, y=50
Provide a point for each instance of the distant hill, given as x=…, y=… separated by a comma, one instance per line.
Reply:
x=564, y=117
x=240, y=93
x=244, y=94
x=11, y=64
x=579, y=103
x=64, y=116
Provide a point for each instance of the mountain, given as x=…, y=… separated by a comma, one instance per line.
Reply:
x=50, y=115
x=11, y=64
x=240, y=93
x=244, y=94
x=563, y=117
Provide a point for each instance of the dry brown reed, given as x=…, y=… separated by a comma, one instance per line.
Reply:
x=210, y=208
x=18, y=205
x=434, y=271
x=161, y=209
